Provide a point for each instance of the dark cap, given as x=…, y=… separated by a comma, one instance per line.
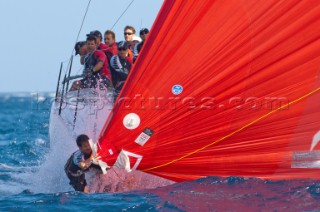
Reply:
x=123, y=45
x=95, y=33
x=144, y=31
x=78, y=46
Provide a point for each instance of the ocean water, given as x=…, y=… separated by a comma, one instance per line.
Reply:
x=24, y=144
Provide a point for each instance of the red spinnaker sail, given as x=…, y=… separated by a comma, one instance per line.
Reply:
x=223, y=88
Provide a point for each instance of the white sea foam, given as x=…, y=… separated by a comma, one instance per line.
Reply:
x=5, y=167
x=10, y=188
x=40, y=142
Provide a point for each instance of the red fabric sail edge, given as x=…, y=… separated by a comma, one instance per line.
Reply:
x=163, y=12
x=257, y=50
x=105, y=146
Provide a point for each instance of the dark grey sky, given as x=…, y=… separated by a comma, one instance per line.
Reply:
x=37, y=35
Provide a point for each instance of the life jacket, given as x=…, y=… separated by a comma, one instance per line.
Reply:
x=130, y=54
x=90, y=61
x=120, y=69
x=139, y=46
x=72, y=169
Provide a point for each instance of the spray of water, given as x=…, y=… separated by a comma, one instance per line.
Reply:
x=91, y=111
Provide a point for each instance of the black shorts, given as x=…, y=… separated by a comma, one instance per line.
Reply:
x=78, y=183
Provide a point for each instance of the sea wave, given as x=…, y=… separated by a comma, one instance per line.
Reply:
x=207, y=194
x=8, y=168
x=25, y=94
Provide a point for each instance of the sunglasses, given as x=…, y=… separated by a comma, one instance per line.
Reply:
x=128, y=33
x=122, y=49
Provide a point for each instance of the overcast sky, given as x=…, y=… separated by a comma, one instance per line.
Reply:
x=36, y=35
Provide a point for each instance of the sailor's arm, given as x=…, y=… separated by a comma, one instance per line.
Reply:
x=98, y=66
x=78, y=160
x=85, y=164
x=83, y=54
x=82, y=59
x=101, y=58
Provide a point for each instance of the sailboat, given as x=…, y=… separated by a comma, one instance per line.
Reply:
x=221, y=88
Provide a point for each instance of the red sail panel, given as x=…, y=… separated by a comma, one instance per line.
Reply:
x=224, y=88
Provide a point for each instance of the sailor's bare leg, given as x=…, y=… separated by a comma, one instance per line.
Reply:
x=86, y=189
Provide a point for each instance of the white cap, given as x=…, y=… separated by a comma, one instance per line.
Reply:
x=136, y=38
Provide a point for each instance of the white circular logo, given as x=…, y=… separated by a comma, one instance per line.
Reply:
x=131, y=121
x=177, y=89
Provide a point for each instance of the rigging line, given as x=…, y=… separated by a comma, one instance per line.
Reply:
x=122, y=14
x=83, y=19
x=237, y=131
x=117, y=174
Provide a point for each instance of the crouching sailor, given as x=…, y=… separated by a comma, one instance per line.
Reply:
x=96, y=67
x=80, y=162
